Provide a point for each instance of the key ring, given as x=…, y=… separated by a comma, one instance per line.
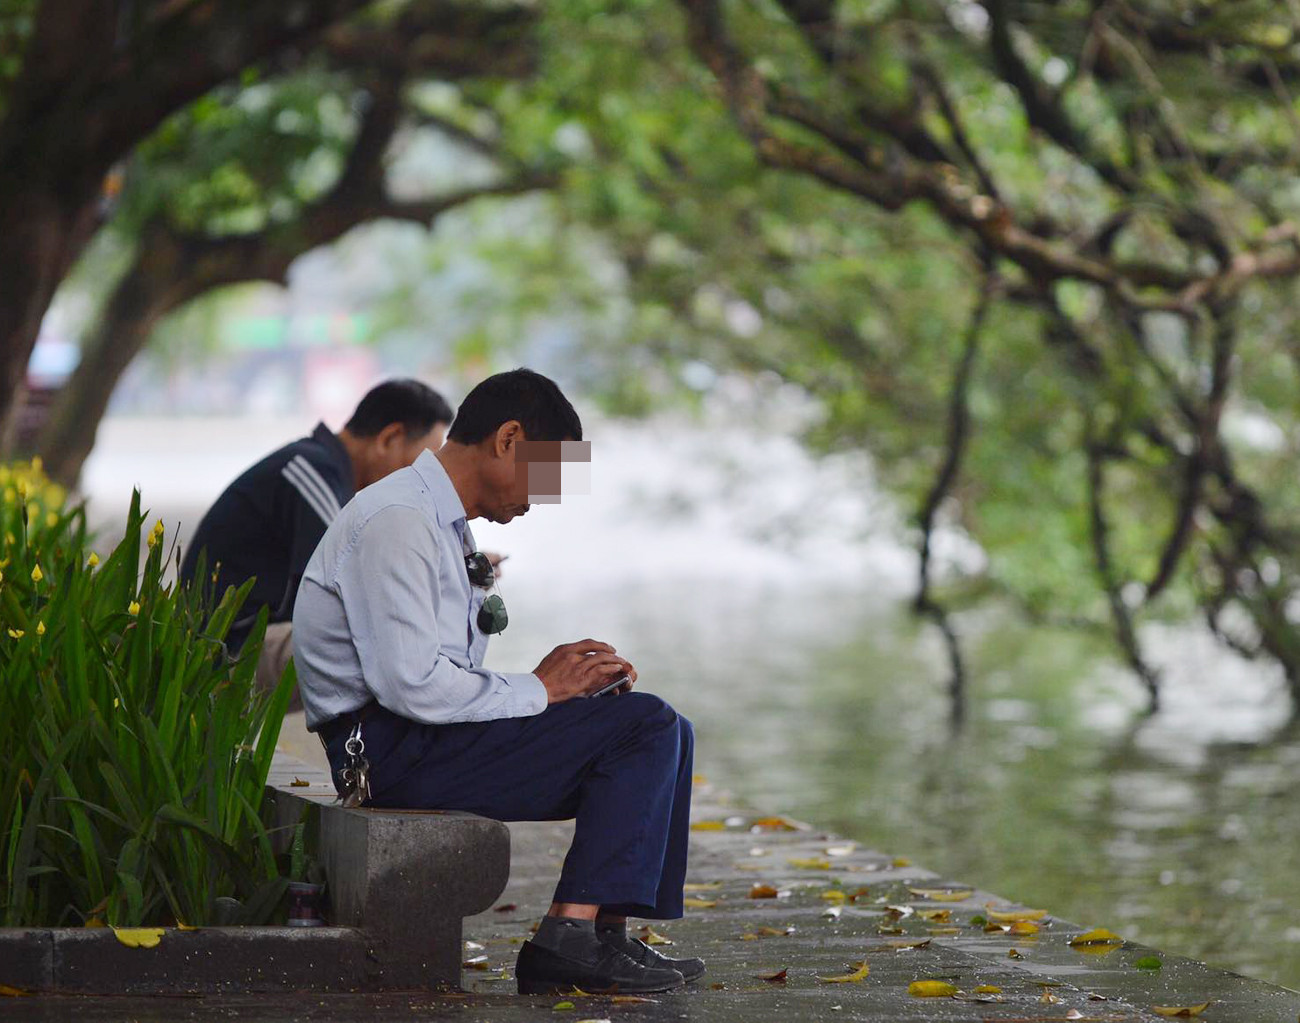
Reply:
x=355, y=746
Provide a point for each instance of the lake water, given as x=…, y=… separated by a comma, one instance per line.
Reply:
x=765, y=596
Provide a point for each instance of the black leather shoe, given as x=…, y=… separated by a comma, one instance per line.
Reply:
x=639, y=952
x=539, y=971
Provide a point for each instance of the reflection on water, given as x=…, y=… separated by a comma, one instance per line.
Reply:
x=830, y=707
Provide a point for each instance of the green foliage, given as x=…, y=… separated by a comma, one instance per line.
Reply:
x=243, y=156
x=1178, y=138
x=133, y=748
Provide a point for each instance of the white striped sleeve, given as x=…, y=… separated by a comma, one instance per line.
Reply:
x=307, y=480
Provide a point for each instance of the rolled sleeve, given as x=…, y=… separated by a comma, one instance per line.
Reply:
x=388, y=583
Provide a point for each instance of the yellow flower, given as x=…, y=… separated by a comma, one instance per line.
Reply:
x=37, y=464
x=51, y=519
x=37, y=574
x=15, y=633
x=93, y=560
x=11, y=495
x=40, y=628
x=156, y=534
x=133, y=608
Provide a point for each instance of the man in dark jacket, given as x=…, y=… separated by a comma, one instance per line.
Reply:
x=266, y=524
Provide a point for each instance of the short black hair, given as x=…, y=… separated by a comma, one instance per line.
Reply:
x=520, y=394
x=418, y=407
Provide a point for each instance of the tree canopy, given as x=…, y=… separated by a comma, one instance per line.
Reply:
x=1037, y=256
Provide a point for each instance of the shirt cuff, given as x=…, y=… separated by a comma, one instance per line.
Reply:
x=530, y=696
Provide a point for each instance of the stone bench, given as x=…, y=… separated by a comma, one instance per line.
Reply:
x=404, y=878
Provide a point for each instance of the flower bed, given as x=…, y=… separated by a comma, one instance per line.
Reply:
x=134, y=747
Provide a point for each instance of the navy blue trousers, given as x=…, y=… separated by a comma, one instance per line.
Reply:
x=620, y=765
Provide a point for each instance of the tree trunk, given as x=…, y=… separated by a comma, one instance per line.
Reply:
x=41, y=234
x=158, y=280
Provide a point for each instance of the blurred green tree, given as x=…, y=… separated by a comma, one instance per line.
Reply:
x=82, y=82
x=1038, y=257
x=241, y=182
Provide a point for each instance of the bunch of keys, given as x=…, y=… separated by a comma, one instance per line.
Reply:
x=356, y=774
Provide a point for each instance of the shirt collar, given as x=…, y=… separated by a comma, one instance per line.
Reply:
x=447, y=505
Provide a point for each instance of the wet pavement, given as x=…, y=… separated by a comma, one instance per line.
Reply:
x=824, y=907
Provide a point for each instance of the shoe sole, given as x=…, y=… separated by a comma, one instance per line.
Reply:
x=543, y=987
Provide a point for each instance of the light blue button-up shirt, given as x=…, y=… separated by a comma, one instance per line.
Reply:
x=386, y=611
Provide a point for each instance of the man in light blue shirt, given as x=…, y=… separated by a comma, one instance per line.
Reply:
x=390, y=629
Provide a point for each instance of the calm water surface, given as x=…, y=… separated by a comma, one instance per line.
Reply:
x=1057, y=792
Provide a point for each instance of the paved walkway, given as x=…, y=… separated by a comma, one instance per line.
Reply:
x=829, y=907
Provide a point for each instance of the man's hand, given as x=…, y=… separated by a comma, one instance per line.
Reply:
x=575, y=669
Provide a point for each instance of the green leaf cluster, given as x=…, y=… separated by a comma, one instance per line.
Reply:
x=134, y=748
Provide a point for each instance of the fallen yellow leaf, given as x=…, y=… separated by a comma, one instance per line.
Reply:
x=941, y=894
x=931, y=989
x=708, y=826
x=1010, y=916
x=181, y=925
x=937, y=916
x=652, y=937
x=12, y=992
x=835, y=895
x=900, y=861
x=699, y=903
x=1098, y=939
x=702, y=887
x=940, y=932
x=699, y=779
x=988, y=989
x=813, y=864
x=1024, y=927
x=773, y=824
x=856, y=977
x=1180, y=1010
x=1049, y=999
x=298, y=783
x=139, y=937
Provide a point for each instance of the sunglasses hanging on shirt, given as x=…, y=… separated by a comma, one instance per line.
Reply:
x=492, y=617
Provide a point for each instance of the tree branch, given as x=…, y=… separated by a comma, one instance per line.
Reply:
x=1125, y=632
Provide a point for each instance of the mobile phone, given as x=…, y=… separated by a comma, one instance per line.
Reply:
x=612, y=684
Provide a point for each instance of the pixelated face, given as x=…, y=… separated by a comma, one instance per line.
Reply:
x=545, y=469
